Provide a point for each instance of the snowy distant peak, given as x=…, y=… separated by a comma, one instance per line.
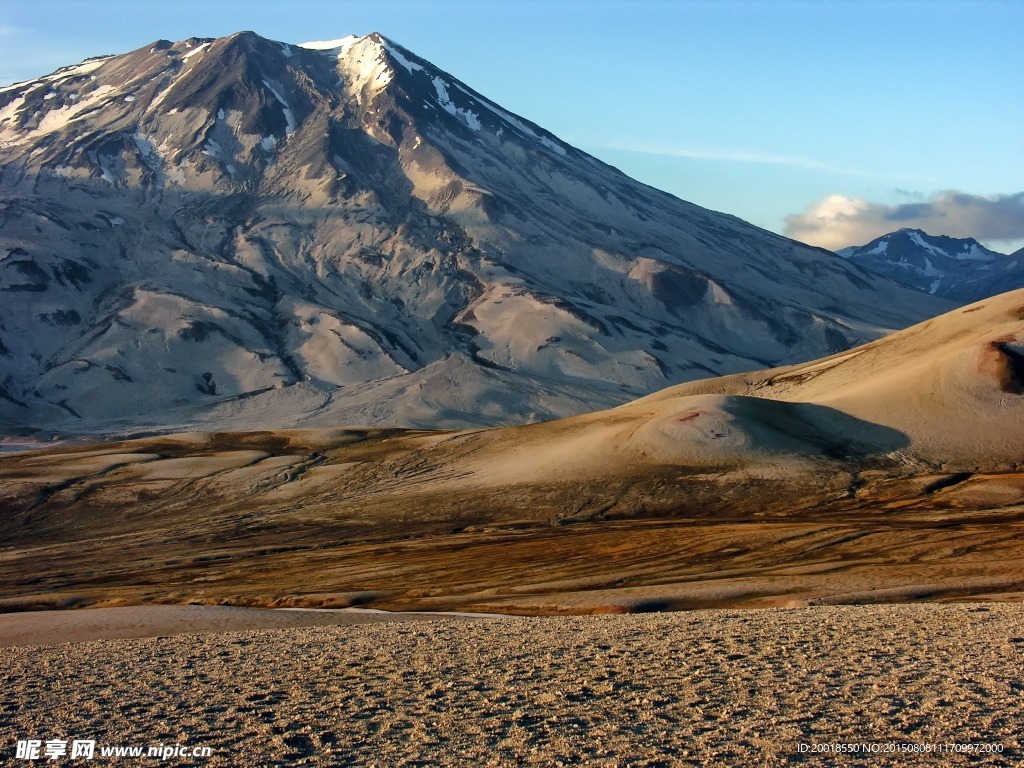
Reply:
x=941, y=245
x=956, y=268
x=904, y=244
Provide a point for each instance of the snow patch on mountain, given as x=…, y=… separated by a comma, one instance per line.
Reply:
x=401, y=59
x=198, y=49
x=57, y=119
x=289, y=113
x=338, y=46
x=10, y=110
x=362, y=61
x=518, y=125
x=65, y=73
x=469, y=118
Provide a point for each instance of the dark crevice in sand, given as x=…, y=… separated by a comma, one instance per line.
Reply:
x=1011, y=375
x=948, y=482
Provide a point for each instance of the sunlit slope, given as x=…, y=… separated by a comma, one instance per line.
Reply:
x=951, y=386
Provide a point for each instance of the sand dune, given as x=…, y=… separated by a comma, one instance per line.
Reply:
x=950, y=385
x=890, y=472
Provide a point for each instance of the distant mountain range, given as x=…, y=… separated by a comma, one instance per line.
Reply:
x=238, y=233
x=961, y=269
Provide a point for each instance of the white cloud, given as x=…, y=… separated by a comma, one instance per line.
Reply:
x=7, y=30
x=838, y=221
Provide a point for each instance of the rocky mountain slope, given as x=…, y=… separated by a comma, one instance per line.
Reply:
x=240, y=233
x=961, y=269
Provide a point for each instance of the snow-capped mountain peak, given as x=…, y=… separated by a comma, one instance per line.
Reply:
x=957, y=268
x=240, y=231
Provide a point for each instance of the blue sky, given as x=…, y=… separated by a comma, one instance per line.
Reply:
x=829, y=121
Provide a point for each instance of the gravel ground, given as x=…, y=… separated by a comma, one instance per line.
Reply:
x=714, y=688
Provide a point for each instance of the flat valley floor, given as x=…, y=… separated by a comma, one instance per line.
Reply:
x=699, y=688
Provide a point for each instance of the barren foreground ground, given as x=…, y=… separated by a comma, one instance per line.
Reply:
x=715, y=688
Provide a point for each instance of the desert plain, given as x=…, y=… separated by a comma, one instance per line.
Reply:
x=696, y=688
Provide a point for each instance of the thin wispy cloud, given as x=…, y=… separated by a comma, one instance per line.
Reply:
x=8, y=30
x=750, y=156
x=838, y=221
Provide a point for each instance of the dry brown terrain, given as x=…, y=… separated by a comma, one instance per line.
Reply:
x=706, y=688
x=890, y=472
